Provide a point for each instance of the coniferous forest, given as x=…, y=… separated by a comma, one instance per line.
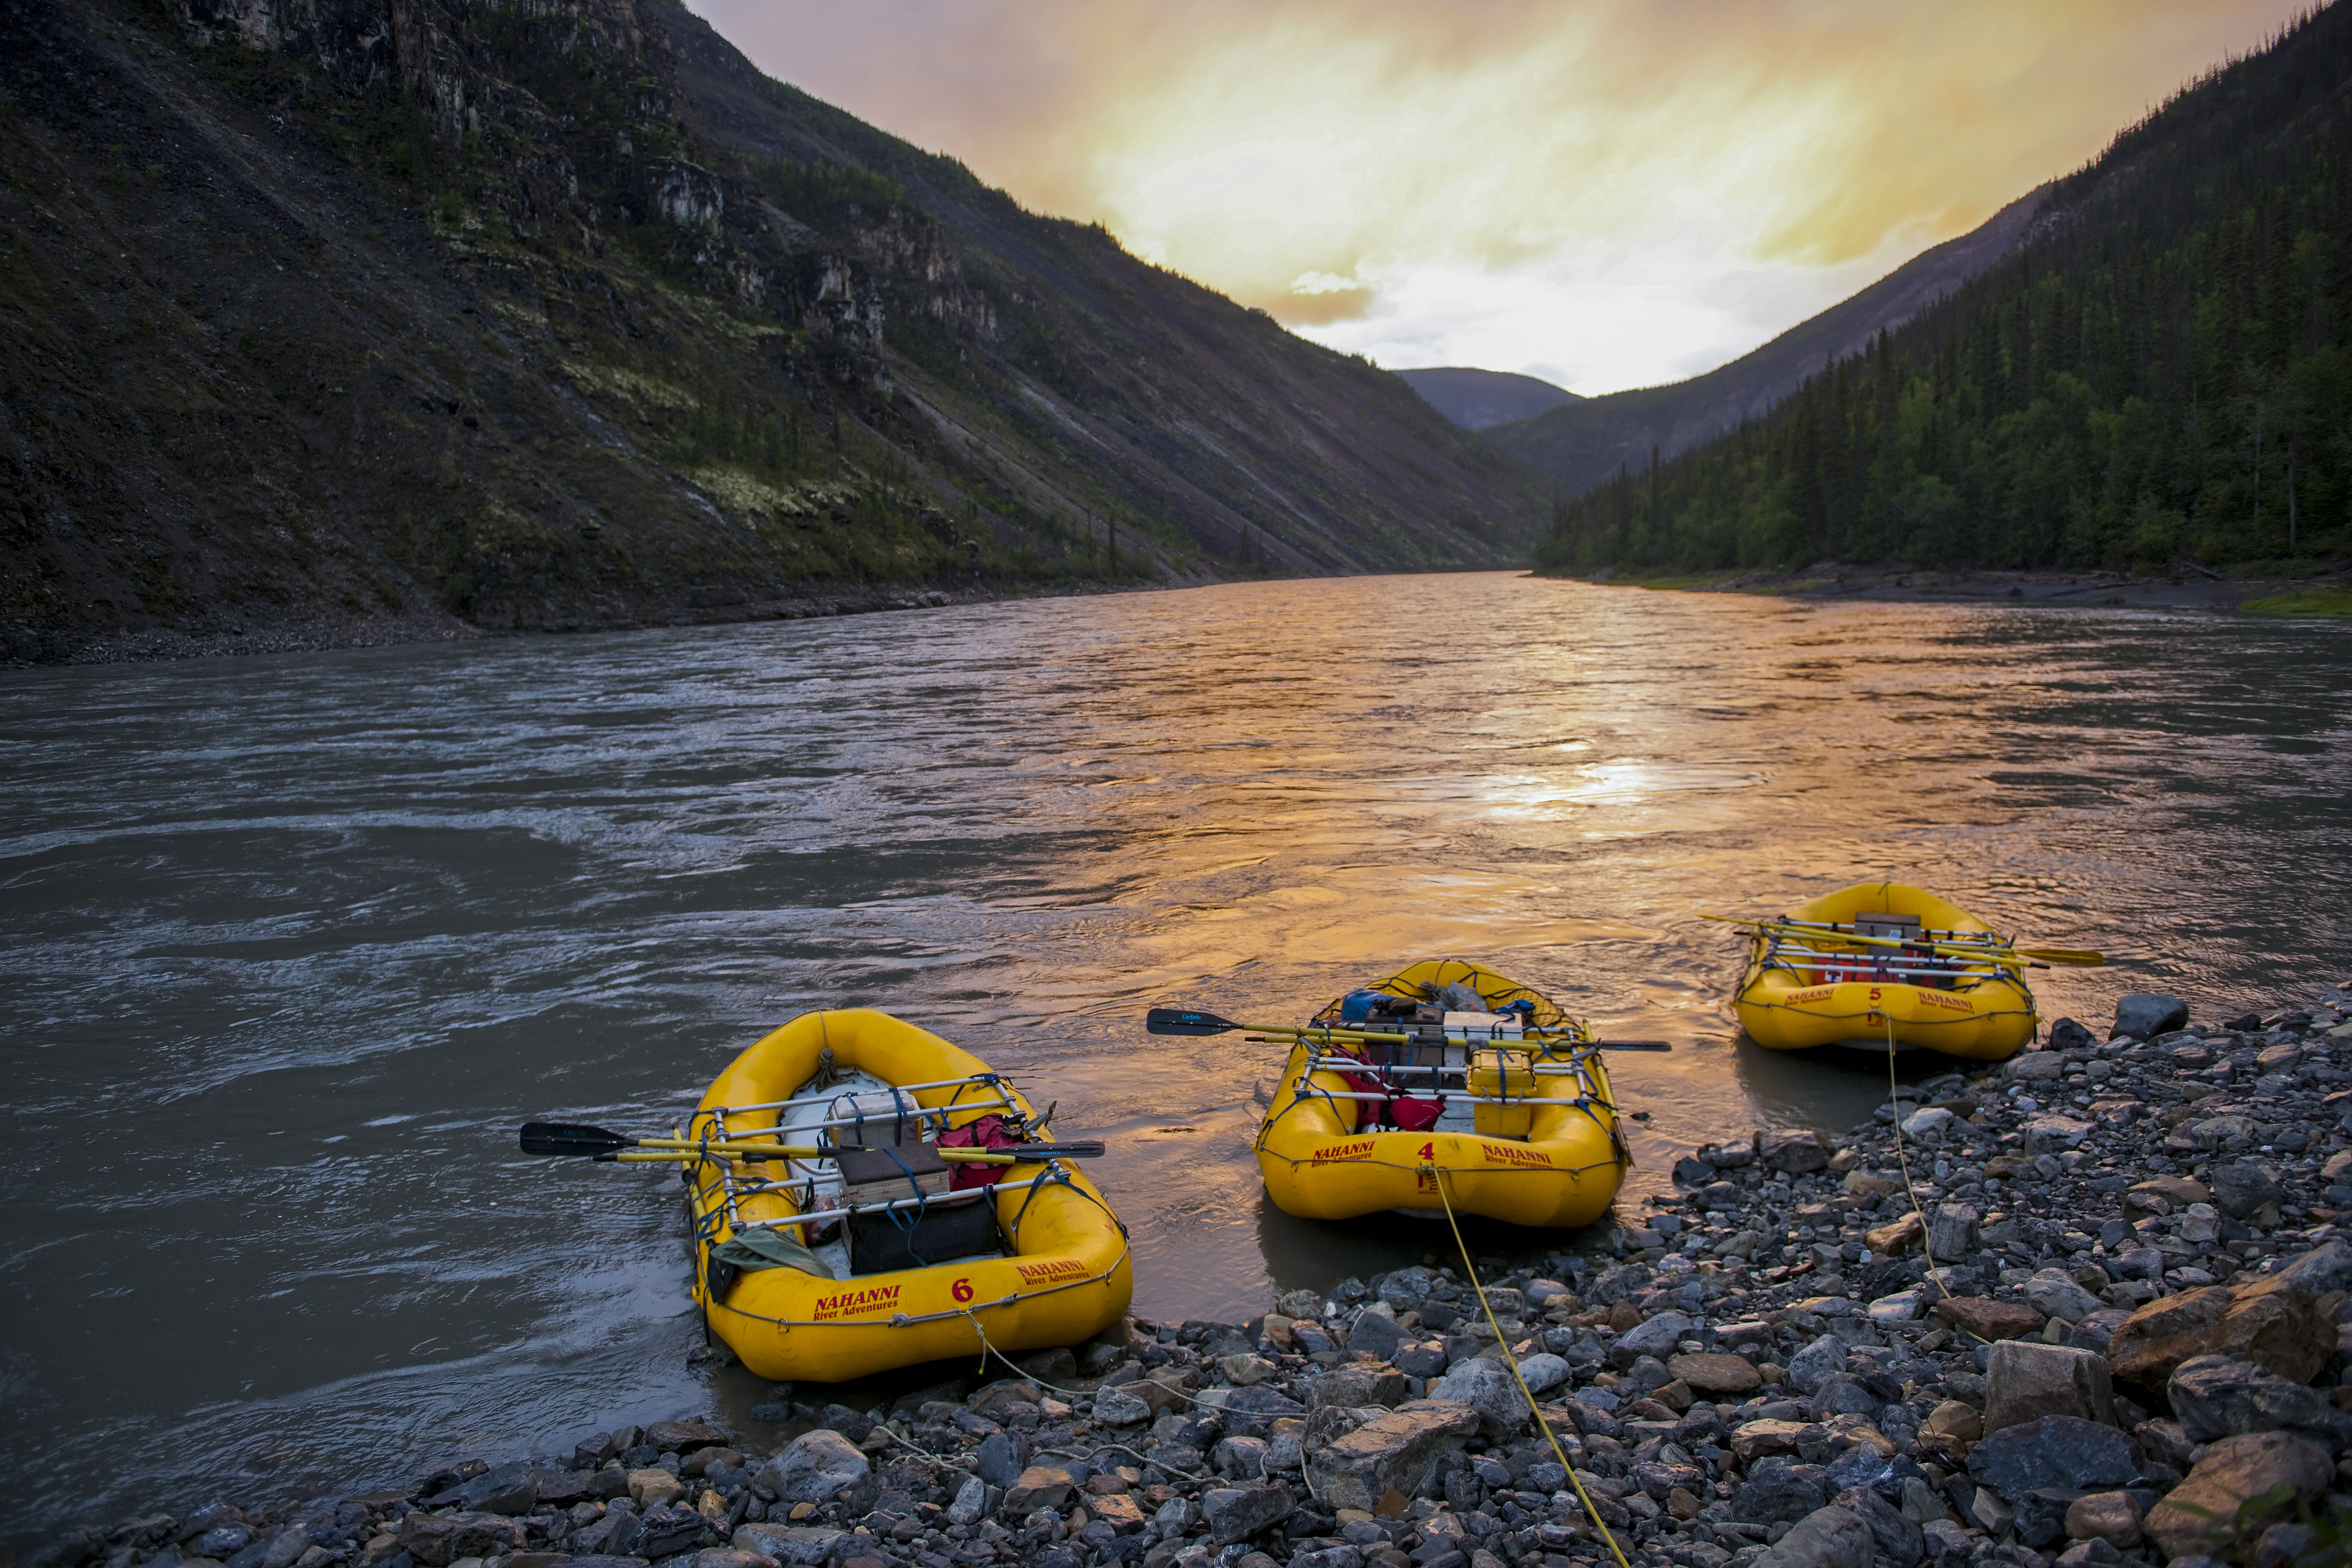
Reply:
x=2163, y=370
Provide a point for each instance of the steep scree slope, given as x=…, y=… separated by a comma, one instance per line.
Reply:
x=351, y=320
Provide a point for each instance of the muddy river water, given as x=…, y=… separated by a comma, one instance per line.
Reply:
x=294, y=943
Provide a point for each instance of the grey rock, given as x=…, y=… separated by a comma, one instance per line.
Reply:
x=1376, y=1333
x=1773, y=1492
x=2241, y=1187
x=804, y=1546
x=1952, y=1232
x=1354, y=1386
x=506, y=1489
x=438, y=1539
x=1813, y=1365
x=1543, y=1372
x=1898, y=1539
x=2039, y=1515
x=813, y=1467
x=1842, y=1394
x=1243, y=1457
x=2146, y=1014
x=1658, y=1335
x=2324, y=1270
x=2025, y=1379
x=1793, y=1153
x=1116, y=1407
x=1827, y=1538
x=1488, y=1387
x=2214, y=1396
x=2055, y=1453
x=2057, y=1294
x=1236, y=1513
x=970, y=1503
x=1001, y=1457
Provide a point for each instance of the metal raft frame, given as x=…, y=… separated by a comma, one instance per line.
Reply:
x=800, y=1179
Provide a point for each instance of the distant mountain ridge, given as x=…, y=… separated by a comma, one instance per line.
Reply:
x=1581, y=443
x=1474, y=399
x=2157, y=375
x=352, y=321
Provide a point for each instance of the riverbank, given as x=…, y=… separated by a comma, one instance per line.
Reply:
x=313, y=632
x=2186, y=587
x=2118, y=1320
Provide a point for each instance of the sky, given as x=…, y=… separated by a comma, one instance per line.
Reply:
x=1602, y=195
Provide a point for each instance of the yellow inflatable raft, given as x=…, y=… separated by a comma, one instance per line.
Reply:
x=1881, y=959
x=1504, y=1100
x=1035, y=1260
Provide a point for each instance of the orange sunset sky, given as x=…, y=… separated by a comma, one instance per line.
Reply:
x=1605, y=195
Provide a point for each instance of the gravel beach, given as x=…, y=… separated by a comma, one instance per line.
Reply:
x=2100, y=1314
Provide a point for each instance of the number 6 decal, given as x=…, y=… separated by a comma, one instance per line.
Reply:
x=961, y=1290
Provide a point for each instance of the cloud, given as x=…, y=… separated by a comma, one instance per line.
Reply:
x=1614, y=191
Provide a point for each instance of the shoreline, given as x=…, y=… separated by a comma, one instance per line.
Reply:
x=2142, y=1251
x=2193, y=588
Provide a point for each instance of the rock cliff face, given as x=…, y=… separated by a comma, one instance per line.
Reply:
x=352, y=321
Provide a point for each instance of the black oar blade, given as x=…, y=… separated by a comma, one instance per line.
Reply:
x=1636, y=1045
x=1083, y=1149
x=1182, y=1021
x=571, y=1137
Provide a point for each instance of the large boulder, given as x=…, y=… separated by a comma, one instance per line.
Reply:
x=2269, y=1322
x=1397, y=1450
x=2026, y=1379
x=2214, y=1396
x=2053, y=1453
x=2198, y=1515
x=813, y=1467
x=2143, y=1015
x=1826, y=1538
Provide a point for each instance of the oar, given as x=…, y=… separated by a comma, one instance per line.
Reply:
x=1009, y=1156
x=1187, y=1021
x=2079, y=957
x=566, y=1138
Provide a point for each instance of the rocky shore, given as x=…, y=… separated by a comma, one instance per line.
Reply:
x=2098, y=1323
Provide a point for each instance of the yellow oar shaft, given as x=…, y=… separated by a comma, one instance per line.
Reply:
x=2081, y=957
x=691, y=1153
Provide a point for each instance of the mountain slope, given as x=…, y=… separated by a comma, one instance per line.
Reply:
x=1581, y=443
x=2164, y=367
x=349, y=320
x=1474, y=399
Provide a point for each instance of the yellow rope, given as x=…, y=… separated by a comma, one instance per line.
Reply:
x=1471, y=1270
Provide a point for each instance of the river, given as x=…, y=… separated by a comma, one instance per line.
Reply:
x=294, y=943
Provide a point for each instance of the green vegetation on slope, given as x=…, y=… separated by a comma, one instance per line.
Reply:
x=2164, y=368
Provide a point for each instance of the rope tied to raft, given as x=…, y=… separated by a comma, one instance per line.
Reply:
x=1471, y=1269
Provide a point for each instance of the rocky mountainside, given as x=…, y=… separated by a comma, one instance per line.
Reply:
x=351, y=320
x=1474, y=399
x=1581, y=443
